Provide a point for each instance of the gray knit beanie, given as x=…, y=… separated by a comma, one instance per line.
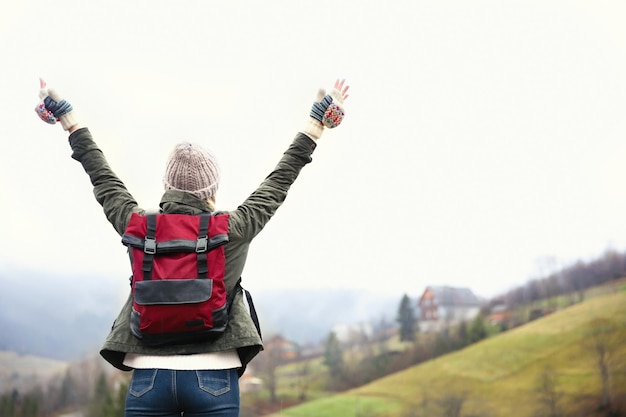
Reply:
x=192, y=169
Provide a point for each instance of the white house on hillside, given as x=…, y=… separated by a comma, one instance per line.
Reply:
x=441, y=306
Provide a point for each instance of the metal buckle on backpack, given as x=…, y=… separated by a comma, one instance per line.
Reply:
x=149, y=246
x=202, y=244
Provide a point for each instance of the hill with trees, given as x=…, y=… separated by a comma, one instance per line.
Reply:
x=572, y=363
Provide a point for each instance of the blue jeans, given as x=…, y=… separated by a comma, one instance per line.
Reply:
x=167, y=393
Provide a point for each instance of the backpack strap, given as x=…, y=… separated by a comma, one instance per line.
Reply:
x=253, y=313
x=202, y=244
x=149, y=247
x=230, y=296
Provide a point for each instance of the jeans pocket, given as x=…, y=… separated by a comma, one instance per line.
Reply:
x=142, y=381
x=215, y=382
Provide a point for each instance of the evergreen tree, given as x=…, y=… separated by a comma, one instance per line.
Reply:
x=7, y=404
x=67, y=392
x=406, y=319
x=477, y=329
x=462, y=334
x=119, y=403
x=102, y=402
x=30, y=406
x=333, y=355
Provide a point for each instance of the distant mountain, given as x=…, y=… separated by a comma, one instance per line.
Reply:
x=68, y=317
x=309, y=315
x=25, y=371
x=52, y=316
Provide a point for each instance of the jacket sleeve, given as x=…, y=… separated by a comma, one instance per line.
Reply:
x=251, y=216
x=109, y=190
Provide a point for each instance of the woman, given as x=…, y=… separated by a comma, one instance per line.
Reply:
x=197, y=379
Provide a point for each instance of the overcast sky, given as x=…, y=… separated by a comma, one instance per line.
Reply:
x=484, y=141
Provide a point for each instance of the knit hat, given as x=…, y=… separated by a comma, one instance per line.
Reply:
x=192, y=169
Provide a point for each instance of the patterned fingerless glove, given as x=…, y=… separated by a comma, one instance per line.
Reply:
x=327, y=112
x=53, y=109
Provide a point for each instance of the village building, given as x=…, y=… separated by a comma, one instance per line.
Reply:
x=287, y=350
x=442, y=306
x=499, y=315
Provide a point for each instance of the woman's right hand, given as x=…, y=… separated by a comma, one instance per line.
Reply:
x=53, y=108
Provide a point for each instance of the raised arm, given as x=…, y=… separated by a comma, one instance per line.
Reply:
x=109, y=190
x=254, y=213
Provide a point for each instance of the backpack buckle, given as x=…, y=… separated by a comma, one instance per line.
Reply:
x=202, y=244
x=149, y=246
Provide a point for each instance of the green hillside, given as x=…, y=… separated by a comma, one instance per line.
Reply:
x=501, y=376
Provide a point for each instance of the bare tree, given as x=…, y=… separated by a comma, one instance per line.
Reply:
x=548, y=394
x=451, y=404
x=546, y=266
x=605, y=338
x=304, y=380
x=269, y=360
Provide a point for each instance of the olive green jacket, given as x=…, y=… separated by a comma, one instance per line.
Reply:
x=244, y=224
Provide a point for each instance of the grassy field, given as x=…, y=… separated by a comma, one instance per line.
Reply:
x=498, y=376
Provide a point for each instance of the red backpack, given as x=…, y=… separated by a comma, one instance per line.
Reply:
x=178, y=289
